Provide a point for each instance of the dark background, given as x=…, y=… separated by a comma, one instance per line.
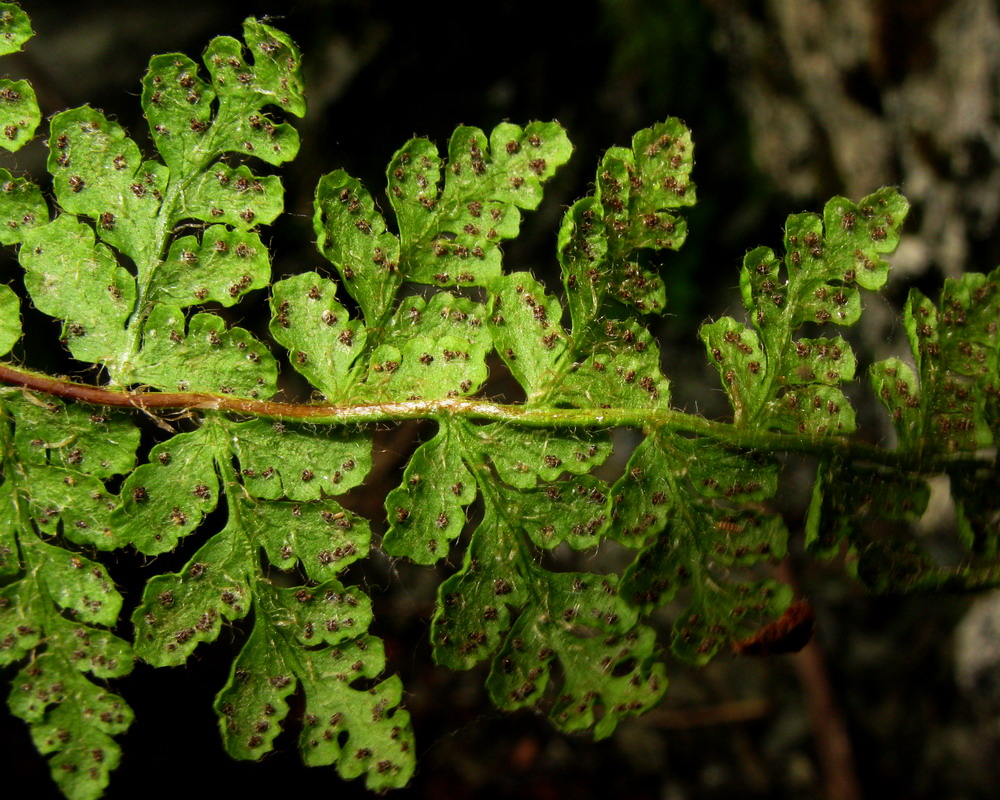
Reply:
x=789, y=102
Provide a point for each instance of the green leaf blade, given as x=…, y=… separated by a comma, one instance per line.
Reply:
x=525, y=316
x=452, y=237
x=896, y=386
x=427, y=511
x=380, y=742
x=352, y=235
x=75, y=722
x=284, y=459
x=71, y=277
x=98, y=171
x=167, y=498
x=790, y=384
x=414, y=182
x=10, y=319
x=180, y=610
x=54, y=433
x=252, y=705
x=78, y=585
x=603, y=237
x=523, y=456
x=430, y=350
x=619, y=367
x=737, y=351
x=15, y=28
x=19, y=114
x=607, y=662
x=233, y=196
x=474, y=605
x=22, y=207
x=582, y=248
x=222, y=266
x=317, y=330
x=193, y=121
x=956, y=346
x=664, y=159
x=178, y=104
x=266, y=74
x=21, y=627
x=321, y=536
x=202, y=355
x=864, y=232
x=362, y=732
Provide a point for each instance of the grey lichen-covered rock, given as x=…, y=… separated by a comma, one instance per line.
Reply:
x=866, y=94
x=977, y=652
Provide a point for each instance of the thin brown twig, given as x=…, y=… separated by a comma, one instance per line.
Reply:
x=736, y=711
x=833, y=743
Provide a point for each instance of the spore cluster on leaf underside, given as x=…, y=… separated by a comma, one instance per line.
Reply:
x=135, y=259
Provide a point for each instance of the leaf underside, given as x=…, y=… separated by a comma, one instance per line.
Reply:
x=147, y=253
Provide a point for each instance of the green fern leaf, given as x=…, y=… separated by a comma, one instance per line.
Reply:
x=580, y=623
x=307, y=638
x=125, y=321
x=352, y=234
x=19, y=112
x=66, y=454
x=955, y=346
x=194, y=121
x=447, y=235
x=225, y=580
x=222, y=266
x=58, y=605
x=321, y=537
x=450, y=235
x=232, y=196
x=317, y=330
x=15, y=28
x=602, y=237
x=203, y=355
x=703, y=504
x=98, y=171
x=71, y=718
x=22, y=207
x=259, y=492
x=71, y=277
x=779, y=382
x=297, y=462
x=181, y=610
x=10, y=319
x=427, y=511
x=431, y=350
x=524, y=324
x=561, y=619
x=941, y=411
x=166, y=498
x=602, y=247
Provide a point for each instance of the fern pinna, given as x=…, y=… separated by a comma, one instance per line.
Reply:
x=126, y=253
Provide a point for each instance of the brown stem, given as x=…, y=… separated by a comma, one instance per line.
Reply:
x=919, y=459
x=98, y=396
x=148, y=400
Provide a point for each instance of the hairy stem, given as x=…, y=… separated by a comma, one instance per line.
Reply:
x=646, y=419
